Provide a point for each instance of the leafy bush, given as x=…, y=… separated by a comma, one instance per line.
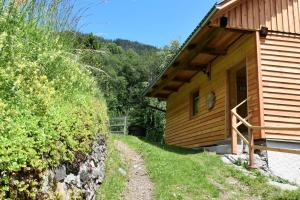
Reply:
x=49, y=105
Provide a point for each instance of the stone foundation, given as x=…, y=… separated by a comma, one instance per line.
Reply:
x=284, y=165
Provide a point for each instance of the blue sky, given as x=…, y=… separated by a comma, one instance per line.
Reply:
x=154, y=22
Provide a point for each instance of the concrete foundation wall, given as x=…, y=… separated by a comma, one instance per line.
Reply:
x=284, y=165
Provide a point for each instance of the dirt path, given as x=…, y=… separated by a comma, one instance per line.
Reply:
x=139, y=186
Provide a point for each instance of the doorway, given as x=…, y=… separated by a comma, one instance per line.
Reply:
x=238, y=92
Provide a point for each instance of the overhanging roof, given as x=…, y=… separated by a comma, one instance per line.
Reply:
x=203, y=46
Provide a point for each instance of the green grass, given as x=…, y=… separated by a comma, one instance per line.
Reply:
x=114, y=182
x=187, y=174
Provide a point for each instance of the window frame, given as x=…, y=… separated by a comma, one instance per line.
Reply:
x=194, y=94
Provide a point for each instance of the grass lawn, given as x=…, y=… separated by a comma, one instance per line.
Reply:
x=187, y=174
x=114, y=182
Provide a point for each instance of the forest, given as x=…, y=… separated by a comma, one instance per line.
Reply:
x=123, y=69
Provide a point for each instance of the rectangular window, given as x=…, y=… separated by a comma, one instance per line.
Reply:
x=195, y=101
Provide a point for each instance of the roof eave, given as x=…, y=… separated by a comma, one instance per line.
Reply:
x=203, y=22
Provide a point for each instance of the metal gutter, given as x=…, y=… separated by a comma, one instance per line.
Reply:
x=188, y=40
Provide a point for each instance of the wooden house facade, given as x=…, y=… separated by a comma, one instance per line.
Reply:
x=242, y=50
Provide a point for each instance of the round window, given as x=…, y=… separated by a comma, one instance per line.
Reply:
x=210, y=100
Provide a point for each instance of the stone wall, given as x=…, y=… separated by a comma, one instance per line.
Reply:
x=78, y=180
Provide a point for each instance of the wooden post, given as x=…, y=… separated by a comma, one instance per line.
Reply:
x=233, y=135
x=251, y=149
x=125, y=125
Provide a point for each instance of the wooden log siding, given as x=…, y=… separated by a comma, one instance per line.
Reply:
x=277, y=15
x=209, y=127
x=280, y=60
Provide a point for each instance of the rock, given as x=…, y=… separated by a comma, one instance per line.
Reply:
x=283, y=186
x=84, y=177
x=80, y=177
x=61, y=189
x=98, y=175
x=48, y=177
x=226, y=160
x=60, y=173
x=73, y=168
x=71, y=179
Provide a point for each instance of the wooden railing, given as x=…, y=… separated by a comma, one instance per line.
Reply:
x=237, y=121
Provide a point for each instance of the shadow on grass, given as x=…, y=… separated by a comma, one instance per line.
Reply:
x=173, y=149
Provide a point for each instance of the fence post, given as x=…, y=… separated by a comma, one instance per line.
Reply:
x=251, y=148
x=233, y=134
x=125, y=125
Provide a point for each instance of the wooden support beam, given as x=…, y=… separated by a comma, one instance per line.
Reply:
x=233, y=135
x=182, y=80
x=171, y=89
x=177, y=79
x=215, y=52
x=206, y=38
x=164, y=77
x=251, y=163
x=211, y=51
x=196, y=68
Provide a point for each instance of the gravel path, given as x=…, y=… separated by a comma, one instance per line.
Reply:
x=139, y=185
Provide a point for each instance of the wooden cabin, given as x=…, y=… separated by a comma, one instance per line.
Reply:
x=242, y=50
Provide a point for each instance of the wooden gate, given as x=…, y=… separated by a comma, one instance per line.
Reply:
x=119, y=125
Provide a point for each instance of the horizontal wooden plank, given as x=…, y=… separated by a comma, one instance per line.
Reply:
x=281, y=63
x=199, y=125
x=282, y=42
x=281, y=80
x=281, y=91
x=275, y=52
x=280, y=48
x=281, y=96
x=281, y=124
x=292, y=86
x=290, y=102
x=203, y=113
x=198, y=135
x=282, y=37
x=280, y=136
x=278, y=58
x=280, y=69
x=283, y=132
x=282, y=119
x=201, y=142
x=271, y=74
x=282, y=113
x=281, y=107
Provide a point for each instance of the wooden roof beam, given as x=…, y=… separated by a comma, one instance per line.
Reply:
x=170, y=89
x=196, y=68
x=211, y=51
x=206, y=38
x=182, y=80
x=215, y=52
